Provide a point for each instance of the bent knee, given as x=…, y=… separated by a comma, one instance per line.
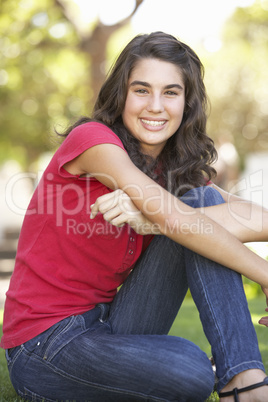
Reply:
x=202, y=197
x=202, y=380
x=192, y=377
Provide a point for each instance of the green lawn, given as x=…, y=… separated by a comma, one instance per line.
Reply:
x=187, y=325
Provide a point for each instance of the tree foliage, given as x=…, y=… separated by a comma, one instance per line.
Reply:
x=237, y=81
x=37, y=84
x=49, y=75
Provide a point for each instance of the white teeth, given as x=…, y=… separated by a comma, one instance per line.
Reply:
x=153, y=123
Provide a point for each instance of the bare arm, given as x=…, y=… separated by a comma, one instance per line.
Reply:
x=247, y=221
x=112, y=166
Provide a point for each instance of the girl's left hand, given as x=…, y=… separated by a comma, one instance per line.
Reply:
x=264, y=320
x=118, y=209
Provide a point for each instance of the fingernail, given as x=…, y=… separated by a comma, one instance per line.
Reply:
x=91, y=214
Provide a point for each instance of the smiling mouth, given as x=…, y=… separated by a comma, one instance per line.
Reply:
x=154, y=123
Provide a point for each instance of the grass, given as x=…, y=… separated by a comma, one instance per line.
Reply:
x=187, y=325
x=7, y=393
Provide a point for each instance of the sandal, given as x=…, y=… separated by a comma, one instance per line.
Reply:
x=237, y=391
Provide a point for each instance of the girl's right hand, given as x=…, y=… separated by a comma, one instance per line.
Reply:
x=118, y=209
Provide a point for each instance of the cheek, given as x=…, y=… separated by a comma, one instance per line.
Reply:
x=130, y=114
x=127, y=118
x=177, y=117
x=180, y=110
x=134, y=104
x=127, y=109
x=177, y=113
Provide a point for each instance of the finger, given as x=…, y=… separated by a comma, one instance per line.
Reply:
x=264, y=321
x=112, y=214
x=119, y=201
x=105, y=202
x=127, y=205
x=112, y=196
x=94, y=209
x=117, y=222
x=102, y=207
x=120, y=220
x=129, y=208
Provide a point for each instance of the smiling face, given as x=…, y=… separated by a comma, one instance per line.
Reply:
x=155, y=103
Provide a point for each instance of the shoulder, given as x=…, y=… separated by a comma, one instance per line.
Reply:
x=92, y=130
x=82, y=146
x=86, y=136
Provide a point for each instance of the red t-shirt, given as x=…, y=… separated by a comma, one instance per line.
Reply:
x=66, y=263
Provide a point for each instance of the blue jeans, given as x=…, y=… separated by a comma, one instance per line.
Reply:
x=121, y=352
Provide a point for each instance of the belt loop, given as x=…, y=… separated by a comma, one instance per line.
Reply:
x=104, y=311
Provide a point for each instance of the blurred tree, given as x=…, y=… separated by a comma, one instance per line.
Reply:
x=38, y=47
x=49, y=74
x=237, y=82
x=94, y=43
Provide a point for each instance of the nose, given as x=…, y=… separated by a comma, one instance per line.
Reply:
x=155, y=104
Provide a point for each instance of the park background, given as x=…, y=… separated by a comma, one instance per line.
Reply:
x=54, y=55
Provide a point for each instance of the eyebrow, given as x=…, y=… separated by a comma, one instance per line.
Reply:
x=146, y=84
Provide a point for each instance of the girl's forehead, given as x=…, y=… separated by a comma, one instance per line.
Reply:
x=152, y=67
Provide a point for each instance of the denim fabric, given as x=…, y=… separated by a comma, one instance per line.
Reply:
x=121, y=352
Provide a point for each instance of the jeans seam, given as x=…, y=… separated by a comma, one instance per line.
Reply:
x=95, y=385
x=211, y=311
x=10, y=362
x=65, y=329
x=35, y=397
x=225, y=379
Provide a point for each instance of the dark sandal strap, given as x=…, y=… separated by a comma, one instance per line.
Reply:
x=237, y=391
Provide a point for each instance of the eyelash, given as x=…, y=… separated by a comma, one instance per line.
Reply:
x=143, y=91
x=171, y=93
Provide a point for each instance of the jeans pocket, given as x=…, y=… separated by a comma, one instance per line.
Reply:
x=28, y=395
x=12, y=355
x=50, y=342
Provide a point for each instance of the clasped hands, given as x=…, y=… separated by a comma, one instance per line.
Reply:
x=118, y=209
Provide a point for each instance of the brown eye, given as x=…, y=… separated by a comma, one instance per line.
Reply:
x=171, y=93
x=141, y=91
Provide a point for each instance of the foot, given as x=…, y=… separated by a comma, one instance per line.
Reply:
x=244, y=379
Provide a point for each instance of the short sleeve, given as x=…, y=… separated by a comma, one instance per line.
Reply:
x=82, y=138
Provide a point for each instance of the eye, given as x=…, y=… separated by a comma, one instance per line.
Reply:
x=171, y=93
x=141, y=91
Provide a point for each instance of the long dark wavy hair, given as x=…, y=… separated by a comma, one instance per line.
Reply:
x=185, y=160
